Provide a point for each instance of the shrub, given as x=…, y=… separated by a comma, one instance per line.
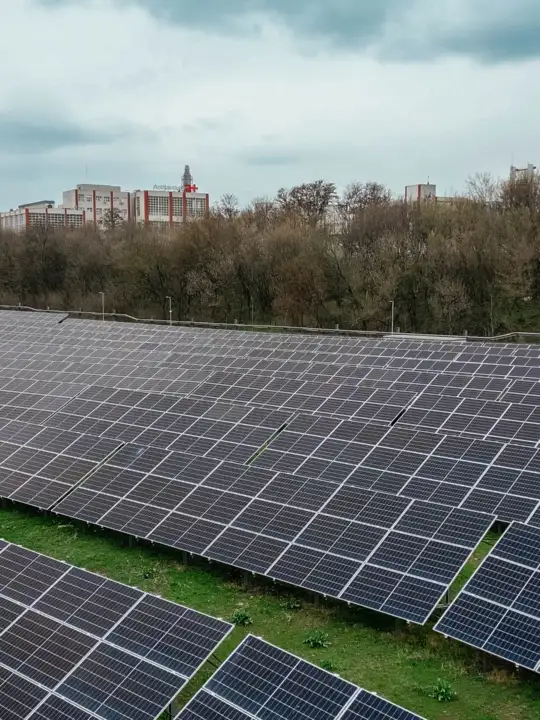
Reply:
x=443, y=691
x=241, y=617
x=328, y=665
x=317, y=639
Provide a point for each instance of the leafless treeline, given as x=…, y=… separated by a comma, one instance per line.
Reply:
x=308, y=257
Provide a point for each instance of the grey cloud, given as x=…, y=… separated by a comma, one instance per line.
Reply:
x=491, y=31
x=27, y=136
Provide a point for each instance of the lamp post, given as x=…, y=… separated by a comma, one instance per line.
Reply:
x=102, y=305
x=168, y=297
x=392, y=321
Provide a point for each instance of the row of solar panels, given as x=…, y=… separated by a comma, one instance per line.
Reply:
x=79, y=330
x=77, y=646
x=318, y=535
x=456, y=414
x=506, y=421
x=307, y=365
x=143, y=333
x=487, y=476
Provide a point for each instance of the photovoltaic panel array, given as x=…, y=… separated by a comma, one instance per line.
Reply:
x=238, y=446
x=200, y=427
x=39, y=465
x=487, y=476
x=498, y=610
x=320, y=535
x=74, y=644
x=259, y=681
x=489, y=419
x=340, y=399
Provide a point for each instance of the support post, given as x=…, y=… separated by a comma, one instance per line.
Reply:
x=102, y=305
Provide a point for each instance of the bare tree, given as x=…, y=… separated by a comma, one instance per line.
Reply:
x=521, y=194
x=228, y=206
x=112, y=219
x=483, y=187
x=359, y=196
x=310, y=200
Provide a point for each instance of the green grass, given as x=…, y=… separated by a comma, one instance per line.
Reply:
x=400, y=663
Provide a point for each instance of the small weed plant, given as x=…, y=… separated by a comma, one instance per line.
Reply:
x=442, y=691
x=241, y=617
x=317, y=639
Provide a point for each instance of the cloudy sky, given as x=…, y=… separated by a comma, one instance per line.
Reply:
x=259, y=94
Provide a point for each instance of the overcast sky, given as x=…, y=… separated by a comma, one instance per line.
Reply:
x=259, y=94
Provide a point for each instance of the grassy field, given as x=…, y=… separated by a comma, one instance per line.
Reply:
x=400, y=663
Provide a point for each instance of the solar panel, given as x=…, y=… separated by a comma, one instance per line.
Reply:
x=498, y=610
x=76, y=645
x=260, y=681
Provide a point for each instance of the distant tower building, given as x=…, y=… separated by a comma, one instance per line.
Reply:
x=187, y=178
x=520, y=174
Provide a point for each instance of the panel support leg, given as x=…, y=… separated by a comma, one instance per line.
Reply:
x=245, y=580
x=185, y=558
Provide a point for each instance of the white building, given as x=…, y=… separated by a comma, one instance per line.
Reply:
x=415, y=193
x=166, y=207
x=43, y=215
x=425, y=192
x=96, y=200
x=163, y=207
x=522, y=174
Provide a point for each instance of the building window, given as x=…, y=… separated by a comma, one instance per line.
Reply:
x=138, y=206
x=158, y=205
x=177, y=206
x=196, y=207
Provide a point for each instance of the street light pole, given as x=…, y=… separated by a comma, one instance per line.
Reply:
x=392, y=326
x=102, y=305
x=170, y=308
